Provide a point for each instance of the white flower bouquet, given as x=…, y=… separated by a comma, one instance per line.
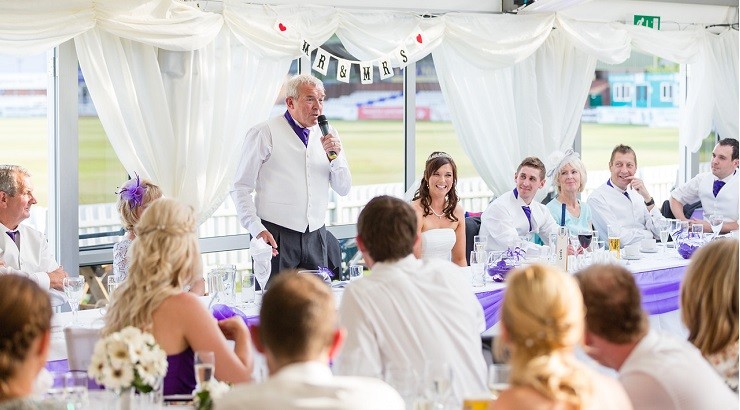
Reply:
x=205, y=393
x=128, y=359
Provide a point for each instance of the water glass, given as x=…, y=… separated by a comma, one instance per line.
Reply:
x=479, y=243
x=74, y=289
x=697, y=231
x=205, y=366
x=355, y=272
x=247, y=287
x=477, y=267
x=405, y=381
x=498, y=378
x=75, y=388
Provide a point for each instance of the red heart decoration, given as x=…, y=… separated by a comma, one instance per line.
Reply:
x=282, y=27
x=418, y=38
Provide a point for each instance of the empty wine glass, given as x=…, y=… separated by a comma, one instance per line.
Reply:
x=716, y=221
x=205, y=366
x=74, y=289
x=664, y=232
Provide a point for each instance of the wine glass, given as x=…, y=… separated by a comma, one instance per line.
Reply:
x=664, y=232
x=74, y=289
x=205, y=366
x=716, y=221
x=262, y=269
x=437, y=381
x=585, y=238
x=498, y=378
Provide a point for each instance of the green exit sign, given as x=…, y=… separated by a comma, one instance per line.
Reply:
x=647, y=21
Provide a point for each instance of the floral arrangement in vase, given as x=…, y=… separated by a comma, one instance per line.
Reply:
x=128, y=359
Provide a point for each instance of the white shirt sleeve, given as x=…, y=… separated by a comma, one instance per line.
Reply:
x=499, y=231
x=340, y=178
x=255, y=151
x=688, y=193
x=547, y=227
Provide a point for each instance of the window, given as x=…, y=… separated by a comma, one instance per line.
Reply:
x=24, y=129
x=622, y=92
x=666, y=91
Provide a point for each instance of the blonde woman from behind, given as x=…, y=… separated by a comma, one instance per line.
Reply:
x=164, y=257
x=542, y=323
x=709, y=306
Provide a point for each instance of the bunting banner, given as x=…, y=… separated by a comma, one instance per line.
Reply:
x=384, y=64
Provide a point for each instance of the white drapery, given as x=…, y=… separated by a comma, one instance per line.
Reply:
x=176, y=87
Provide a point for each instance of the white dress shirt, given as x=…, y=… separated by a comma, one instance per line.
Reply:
x=34, y=259
x=700, y=188
x=310, y=385
x=504, y=222
x=290, y=180
x=666, y=373
x=408, y=313
x=609, y=206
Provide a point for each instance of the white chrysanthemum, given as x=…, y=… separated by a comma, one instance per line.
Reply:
x=118, y=378
x=217, y=388
x=118, y=352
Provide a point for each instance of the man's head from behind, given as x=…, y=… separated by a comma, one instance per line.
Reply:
x=386, y=229
x=298, y=321
x=614, y=311
x=16, y=195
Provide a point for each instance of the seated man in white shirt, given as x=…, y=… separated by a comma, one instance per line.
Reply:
x=24, y=250
x=623, y=201
x=717, y=190
x=515, y=215
x=409, y=313
x=656, y=370
x=298, y=335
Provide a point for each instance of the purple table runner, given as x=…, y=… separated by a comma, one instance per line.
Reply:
x=660, y=291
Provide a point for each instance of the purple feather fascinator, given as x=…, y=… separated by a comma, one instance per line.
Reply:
x=133, y=192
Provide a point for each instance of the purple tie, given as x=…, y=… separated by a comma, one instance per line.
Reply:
x=15, y=236
x=717, y=186
x=528, y=212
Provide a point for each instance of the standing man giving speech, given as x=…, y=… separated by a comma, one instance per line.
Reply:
x=290, y=164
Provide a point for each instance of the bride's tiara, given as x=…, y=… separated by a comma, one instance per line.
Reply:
x=438, y=154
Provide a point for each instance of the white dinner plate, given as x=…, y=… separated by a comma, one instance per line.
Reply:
x=632, y=257
x=654, y=250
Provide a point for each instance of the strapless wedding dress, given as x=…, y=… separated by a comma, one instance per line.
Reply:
x=437, y=243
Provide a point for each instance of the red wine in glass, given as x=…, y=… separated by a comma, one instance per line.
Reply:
x=585, y=239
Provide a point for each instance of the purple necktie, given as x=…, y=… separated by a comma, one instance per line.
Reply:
x=15, y=236
x=528, y=212
x=717, y=186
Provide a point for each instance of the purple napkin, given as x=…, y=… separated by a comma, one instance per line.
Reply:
x=221, y=312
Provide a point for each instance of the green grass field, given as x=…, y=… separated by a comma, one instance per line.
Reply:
x=374, y=150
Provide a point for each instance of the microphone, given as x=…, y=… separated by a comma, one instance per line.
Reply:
x=324, y=126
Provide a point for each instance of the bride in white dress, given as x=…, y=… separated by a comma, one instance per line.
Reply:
x=440, y=216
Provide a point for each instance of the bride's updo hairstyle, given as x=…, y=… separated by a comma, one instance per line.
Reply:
x=435, y=161
x=543, y=315
x=26, y=315
x=164, y=257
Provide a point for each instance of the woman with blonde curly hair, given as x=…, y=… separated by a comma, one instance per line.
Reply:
x=165, y=257
x=442, y=233
x=709, y=306
x=542, y=322
x=25, y=338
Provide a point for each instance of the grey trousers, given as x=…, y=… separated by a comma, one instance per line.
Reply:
x=301, y=250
